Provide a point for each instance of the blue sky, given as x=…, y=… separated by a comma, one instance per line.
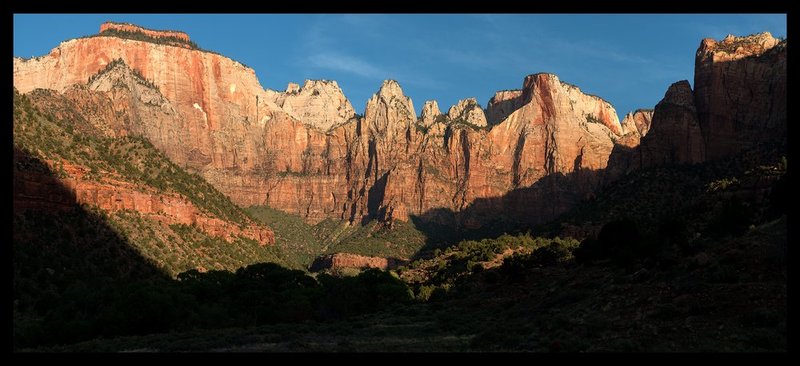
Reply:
x=629, y=60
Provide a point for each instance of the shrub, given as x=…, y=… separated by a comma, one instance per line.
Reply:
x=424, y=293
x=140, y=36
x=552, y=254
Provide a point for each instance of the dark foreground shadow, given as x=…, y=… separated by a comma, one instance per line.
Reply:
x=76, y=278
x=70, y=264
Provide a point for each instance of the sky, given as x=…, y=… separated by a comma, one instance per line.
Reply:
x=628, y=60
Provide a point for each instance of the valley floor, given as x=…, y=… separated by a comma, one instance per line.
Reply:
x=720, y=301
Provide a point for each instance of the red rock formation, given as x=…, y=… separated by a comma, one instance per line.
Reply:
x=212, y=94
x=317, y=162
x=430, y=111
x=42, y=191
x=740, y=92
x=382, y=166
x=627, y=155
x=320, y=103
x=502, y=104
x=469, y=111
x=637, y=122
x=339, y=261
x=125, y=27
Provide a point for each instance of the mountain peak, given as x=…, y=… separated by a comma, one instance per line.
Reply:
x=319, y=103
x=468, y=110
x=429, y=112
x=733, y=48
x=390, y=88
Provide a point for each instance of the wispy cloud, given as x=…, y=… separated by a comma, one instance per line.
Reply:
x=346, y=63
x=321, y=49
x=596, y=51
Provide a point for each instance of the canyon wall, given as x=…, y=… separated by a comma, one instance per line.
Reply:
x=43, y=191
x=740, y=92
x=531, y=154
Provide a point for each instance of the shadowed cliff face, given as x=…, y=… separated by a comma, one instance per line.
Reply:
x=304, y=152
x=739, y=103
x=740, y=92
x=38, y=192
x=674, y=136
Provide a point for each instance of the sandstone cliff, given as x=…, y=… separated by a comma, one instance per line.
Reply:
x=467, y=111
x=200, y=109
x=430, y=111
x=319, y=103
x=112, y=27
x=637, y=122
x=502, y=104
x=42, y=192
x=338, y=261
x=675, y=135
x=740, y=92
x=304, y=152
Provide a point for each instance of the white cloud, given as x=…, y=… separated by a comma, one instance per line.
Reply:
x=346, y=63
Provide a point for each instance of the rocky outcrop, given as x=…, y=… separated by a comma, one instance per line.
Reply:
x=43, y=191
x=740, y=92
x=674, y=135
x=388, y=147
x=430, y=111
x=627, y=155
x=550, y=150
x=389, y=113
x=467, y=111
x=502, y=104
x=131, y=28
x=292, y=88
x=338, y=261
x=319, y=103
x=637, y=122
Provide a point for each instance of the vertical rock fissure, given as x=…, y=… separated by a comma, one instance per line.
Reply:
x=550, y=148
x=518, y=159
x=421, y=183
x=463, y=179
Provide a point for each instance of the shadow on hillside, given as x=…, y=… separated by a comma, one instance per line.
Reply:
x=748, y=124
x=76, y=278
x=68, y=260
x=522, y=209
x=514, y=212
x=662, y=191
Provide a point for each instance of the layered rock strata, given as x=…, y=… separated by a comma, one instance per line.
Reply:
x=533, y=153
